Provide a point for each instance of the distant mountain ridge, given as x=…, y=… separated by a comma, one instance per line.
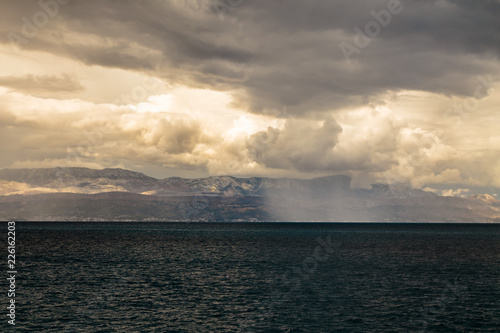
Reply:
x=85, y=181
x=72, y=194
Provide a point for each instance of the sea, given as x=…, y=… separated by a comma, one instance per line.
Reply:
x=255, y=277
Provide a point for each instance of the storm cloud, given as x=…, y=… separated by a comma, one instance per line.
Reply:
x=280, y=52
x=382, y=90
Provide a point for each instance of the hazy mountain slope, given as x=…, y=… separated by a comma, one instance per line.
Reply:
x=117, y=194
x=80, y=180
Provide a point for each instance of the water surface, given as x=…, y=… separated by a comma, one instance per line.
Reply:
x=261, y=277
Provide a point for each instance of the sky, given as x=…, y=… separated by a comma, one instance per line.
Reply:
x=384, y=91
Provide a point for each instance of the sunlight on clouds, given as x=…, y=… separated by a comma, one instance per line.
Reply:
x=244, y=126
x=159, y=103
x=185, y=128
x=101, y=84
x=212, y=108
x=199, y=129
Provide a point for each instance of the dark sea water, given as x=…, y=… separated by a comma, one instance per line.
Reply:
x=193, y=277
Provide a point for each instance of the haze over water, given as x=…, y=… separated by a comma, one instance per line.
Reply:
x=265, y=277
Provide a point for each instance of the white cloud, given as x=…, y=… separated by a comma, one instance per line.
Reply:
x=455, y=193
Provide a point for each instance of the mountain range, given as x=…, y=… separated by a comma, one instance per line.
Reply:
x=81, y=194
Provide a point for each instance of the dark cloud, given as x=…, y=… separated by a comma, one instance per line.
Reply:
x=278, y=53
